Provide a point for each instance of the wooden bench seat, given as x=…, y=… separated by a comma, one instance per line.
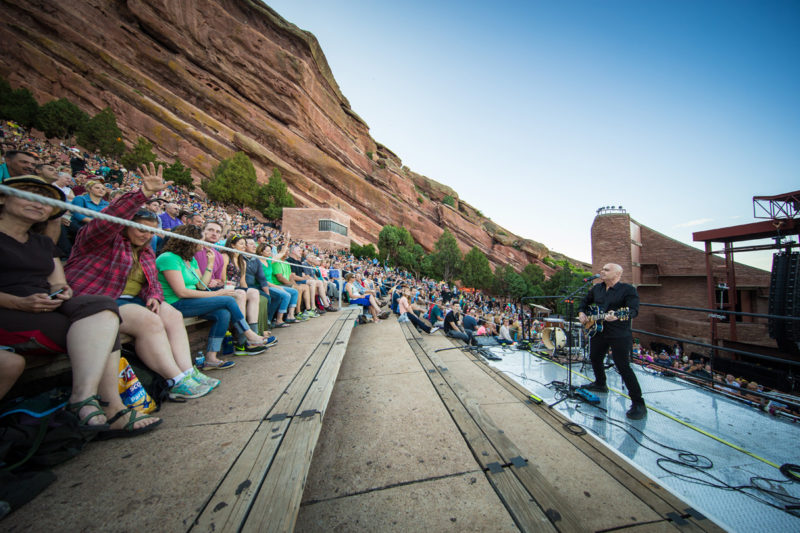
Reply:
x=263, y=488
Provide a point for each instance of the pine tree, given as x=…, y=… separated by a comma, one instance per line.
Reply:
x=274, y=196
x=234, y=181
x=101, y=133
x=60, y=118
x=446, y=257
x=140, y=154
x=476, y=272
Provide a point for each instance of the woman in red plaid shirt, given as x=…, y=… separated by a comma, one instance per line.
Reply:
x=117, y=261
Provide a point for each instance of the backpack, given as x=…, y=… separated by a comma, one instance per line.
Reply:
x=37, y=432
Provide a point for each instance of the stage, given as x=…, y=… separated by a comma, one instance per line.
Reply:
x=740, y=441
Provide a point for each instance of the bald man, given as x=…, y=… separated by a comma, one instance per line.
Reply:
x=611, y=295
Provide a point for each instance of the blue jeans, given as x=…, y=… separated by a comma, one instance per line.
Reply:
x=456, y=334
x=221, y=310
x=286, y=295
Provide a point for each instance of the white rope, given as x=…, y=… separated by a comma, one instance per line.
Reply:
x=25, y=195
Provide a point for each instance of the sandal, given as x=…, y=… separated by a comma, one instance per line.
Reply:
x=281, y=325
x=84, y=424
x=128, y=430
x=218, y=365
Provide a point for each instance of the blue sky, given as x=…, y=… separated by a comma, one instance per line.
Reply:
x=538, y=113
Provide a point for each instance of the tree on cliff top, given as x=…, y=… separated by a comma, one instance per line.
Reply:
x=390, y=240
x=446, y=257
x=140, y=154
x=274, y=196
x=233, y=181
x=60, y=118
x=102, y=134
x=17, y=105
x=475, y=271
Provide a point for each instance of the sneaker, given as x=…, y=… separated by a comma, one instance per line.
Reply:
x=434, y=329
x=637, y=411
x=312, y=313
x=301, y=317
x=595, y=387
x=331, y=308
x=188, y=388
x=247, y=349
x=203, y=379
x=320, y=310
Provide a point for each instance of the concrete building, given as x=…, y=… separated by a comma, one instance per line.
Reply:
x=325, y=227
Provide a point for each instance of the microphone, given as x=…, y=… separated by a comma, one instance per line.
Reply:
x=590, y=278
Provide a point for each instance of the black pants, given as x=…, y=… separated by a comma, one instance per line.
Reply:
x=621, y=352
x=418, y=323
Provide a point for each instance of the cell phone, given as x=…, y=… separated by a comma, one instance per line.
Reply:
x=59, y=291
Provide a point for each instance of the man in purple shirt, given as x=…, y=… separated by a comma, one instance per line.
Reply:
x=169, y=218
x=212, y=232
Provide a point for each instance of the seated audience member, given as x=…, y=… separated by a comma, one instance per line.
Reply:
x=63, y=182
x=470, y=322
x=116, y=261
x=214, y=266
x=256, y=278
x=286, y=297
x=179, y=277
x=314, y=271
x=282, y=275
x=94, y=199
x=47, y=172
x=169, y=218
x=663, y=359
x=19, y=163
x=436, y=314
x=452, y=324
x=38, y=312
x=504, y=337
x=367, y=301
x=235, y=273
x=300, y=277
x=407, y=314
x=700, y=370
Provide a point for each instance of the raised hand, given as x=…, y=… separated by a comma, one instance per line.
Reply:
x=152, y=180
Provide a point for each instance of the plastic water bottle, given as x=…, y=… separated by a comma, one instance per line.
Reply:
x=200, y=360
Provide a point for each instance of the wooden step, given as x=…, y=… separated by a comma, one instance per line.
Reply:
x=263, y=488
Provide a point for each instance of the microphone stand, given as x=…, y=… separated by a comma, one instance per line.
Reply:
x=569, y=300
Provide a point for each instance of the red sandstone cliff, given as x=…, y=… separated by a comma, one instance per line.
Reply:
x=204, y=79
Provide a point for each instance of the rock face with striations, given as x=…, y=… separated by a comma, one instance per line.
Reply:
x=204, y=79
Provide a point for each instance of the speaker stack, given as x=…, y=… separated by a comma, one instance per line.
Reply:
x=784, y=297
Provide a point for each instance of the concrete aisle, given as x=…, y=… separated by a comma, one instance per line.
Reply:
x=390, y=457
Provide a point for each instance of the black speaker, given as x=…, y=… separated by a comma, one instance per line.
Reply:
x=777, y=294
x=784, y=297
x=484, y=340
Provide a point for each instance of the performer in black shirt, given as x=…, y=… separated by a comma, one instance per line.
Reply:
x=611, y=295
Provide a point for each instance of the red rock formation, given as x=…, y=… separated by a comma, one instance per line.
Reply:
x=204, y=79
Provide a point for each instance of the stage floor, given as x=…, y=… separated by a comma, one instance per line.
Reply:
x=740, y=441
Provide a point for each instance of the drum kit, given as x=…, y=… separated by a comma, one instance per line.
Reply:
x=554, y=335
